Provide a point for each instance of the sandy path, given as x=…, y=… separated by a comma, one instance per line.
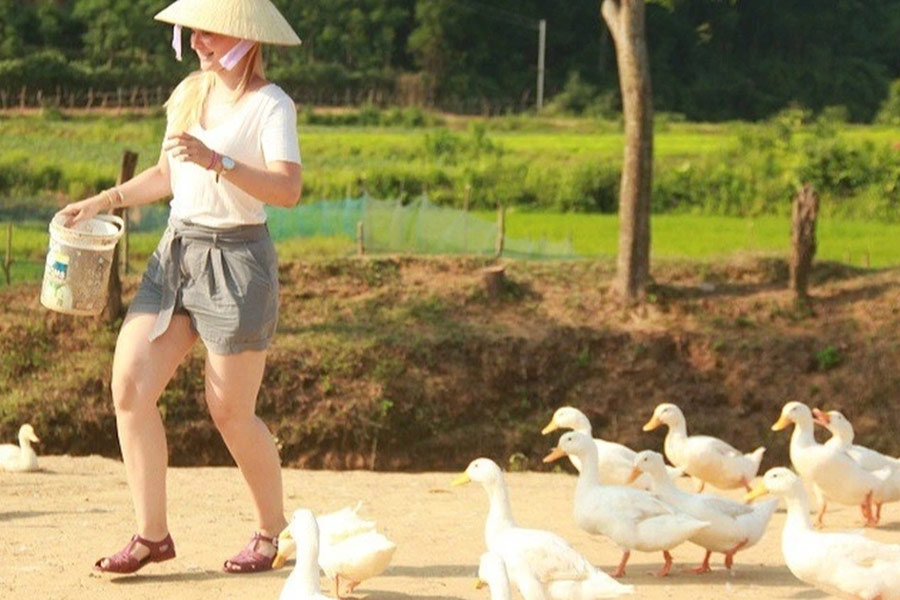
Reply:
x=55, y=523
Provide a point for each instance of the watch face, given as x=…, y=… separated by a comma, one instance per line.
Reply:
x=227, y=163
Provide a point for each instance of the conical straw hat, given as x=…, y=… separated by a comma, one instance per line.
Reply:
x=256, y=20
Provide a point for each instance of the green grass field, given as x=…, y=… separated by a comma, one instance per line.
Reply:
x=701, y=238
x=710, y=238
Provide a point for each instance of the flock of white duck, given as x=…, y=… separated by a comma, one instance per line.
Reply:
x=631, y=498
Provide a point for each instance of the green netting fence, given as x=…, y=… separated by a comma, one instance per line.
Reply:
x=417, y=227
x=390, y=226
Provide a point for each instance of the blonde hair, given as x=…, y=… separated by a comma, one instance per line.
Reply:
x=185, y=106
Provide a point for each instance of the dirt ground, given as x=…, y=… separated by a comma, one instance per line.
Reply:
x=56, y=522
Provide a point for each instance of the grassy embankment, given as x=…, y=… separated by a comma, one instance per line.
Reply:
x=406, y=363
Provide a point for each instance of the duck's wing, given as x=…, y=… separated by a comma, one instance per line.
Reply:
x=725, y=506
x=547, y=556
x=717, y=446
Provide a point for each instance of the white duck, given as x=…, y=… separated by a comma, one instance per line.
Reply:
x=492, y=572
x=846, y=565
x=888, y=491
x=342, y=524
x=705, y=458
x=352, y=551
x=885, y=468
x=349, y=549
x=632, y=518
x=614, y=460
x=302, y=533
x=732, y=526
x=23, y=456
x=332, y=527
x=834, y=473
x=842, y=435
x=540, y=564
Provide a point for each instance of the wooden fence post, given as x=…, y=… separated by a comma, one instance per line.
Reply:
x=803, y=239
x=360, y=239
x=466, y=199
x=501, y=230
x=8, y=260
x=114, y=306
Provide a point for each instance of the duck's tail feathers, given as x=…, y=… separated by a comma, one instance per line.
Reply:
x=756, y=458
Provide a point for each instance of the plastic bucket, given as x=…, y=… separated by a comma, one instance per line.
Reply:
x=76, y=275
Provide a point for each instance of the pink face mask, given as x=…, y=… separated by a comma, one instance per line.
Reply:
x=231, y=58
x=234, y=56
x=176, y=41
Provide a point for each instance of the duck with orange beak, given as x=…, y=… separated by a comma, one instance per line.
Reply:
x=634, y=519
x=733, y=526
x=845, y=565
x=541, y=564
x=830, y=469
x=705, y=458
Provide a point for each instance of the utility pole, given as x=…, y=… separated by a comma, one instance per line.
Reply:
x=542, y=38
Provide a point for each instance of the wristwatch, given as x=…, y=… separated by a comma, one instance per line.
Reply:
x=226, y=163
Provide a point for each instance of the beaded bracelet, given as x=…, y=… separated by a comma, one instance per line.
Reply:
x=108, y=194
x=109, y=198
x=212, y=161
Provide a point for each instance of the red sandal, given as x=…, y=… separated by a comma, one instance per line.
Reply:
x=124, y=562
x=250, y=560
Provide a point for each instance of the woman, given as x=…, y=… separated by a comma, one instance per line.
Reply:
x=230, y=147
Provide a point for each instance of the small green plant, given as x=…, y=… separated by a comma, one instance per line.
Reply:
x=828, y=358
x=584, y=357
x=742, y=321
x=518, y=463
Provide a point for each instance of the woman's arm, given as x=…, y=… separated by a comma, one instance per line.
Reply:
x=148, y=186
x=280, y=183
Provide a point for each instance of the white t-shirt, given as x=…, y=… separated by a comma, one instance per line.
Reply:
x=261, y=129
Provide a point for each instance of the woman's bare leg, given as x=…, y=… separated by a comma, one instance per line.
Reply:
x=141, y=370
x=232, y=385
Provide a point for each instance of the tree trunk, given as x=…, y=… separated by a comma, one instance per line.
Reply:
x=803, y=239
x=625, y=19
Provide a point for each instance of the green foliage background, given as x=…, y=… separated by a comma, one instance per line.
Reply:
x=711, y=59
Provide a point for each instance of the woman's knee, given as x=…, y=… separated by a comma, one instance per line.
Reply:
x=125, y=388
x=228, y=417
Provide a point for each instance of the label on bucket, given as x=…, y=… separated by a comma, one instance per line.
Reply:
x=57, y=266
x=57, y=295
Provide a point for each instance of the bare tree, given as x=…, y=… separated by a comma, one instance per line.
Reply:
x=625, y=19
x=803, y=239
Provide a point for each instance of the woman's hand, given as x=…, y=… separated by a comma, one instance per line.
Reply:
x=186, y=148
x=84, y=210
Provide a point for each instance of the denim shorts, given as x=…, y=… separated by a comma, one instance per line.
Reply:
x=225, y=280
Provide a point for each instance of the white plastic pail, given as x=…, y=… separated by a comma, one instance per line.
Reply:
x=76, y=275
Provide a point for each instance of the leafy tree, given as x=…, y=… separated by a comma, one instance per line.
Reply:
x=118, y=32
x=889, y=113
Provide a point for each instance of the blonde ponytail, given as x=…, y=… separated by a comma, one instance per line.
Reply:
x=184, y=108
